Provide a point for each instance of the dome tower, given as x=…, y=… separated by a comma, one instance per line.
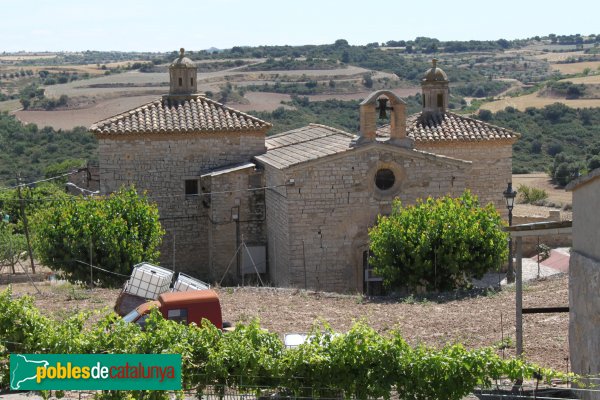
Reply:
x=183, y=73
x=435, y=92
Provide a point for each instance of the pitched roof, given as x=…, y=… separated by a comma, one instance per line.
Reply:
x=450, y=127
x=167, y=115
x=304, y=144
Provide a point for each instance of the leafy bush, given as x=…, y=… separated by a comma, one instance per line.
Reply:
x=120, y=230
x=361, y=363
x=531, y=195
x=438, y=244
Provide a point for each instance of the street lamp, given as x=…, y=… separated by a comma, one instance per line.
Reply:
x=509, y=195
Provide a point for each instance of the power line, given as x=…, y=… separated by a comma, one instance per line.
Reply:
x=151, y=197
x=38, y=181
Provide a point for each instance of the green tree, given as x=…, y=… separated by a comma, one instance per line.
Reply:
x=121, y=230
x=438, y=244
x=12, y=246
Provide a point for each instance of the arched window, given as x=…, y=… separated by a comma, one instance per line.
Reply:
x=192, y=81
x=440, y=100
x=180, y=81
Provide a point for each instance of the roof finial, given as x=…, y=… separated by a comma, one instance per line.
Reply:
x=181, y=52
x=434, y=62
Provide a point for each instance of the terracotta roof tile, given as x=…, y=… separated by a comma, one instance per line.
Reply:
x=451, y=127
x=166, y=115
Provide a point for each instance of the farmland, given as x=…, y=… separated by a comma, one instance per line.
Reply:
x=482, y=319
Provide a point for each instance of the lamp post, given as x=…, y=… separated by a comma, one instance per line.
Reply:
x=509, y=195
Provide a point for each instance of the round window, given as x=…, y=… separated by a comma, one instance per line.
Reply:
x=385, y=179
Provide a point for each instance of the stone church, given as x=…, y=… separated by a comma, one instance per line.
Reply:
x=293, y=207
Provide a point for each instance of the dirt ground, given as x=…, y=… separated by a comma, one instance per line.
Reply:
x=475, y=320
x=542, y=181
x=68, y=119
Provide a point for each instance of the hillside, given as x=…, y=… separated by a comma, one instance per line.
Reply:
x=508, y=83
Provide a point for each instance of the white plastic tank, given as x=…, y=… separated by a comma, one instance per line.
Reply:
x=185, y=282
x=149, y=281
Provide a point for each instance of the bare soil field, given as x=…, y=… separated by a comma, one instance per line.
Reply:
x=542, y=181
x=68, y=119
x=473, y=320
x=264, y=101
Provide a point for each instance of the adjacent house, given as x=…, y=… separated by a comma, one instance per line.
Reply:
x=294, y=207
x=584, y=279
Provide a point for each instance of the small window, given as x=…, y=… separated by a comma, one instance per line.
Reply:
x=192, y=81
x=178, y=314
x=423, y=97
x=191, y=187
x=385, y=179
x=440, y=100
x=180, y=81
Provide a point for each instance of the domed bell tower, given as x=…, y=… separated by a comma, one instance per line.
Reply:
x=435, y=92
x=183, y=76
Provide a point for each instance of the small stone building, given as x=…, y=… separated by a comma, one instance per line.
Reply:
x=295, y=207
x=584, y=279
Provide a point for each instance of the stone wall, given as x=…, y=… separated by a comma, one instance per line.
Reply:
x=491, y=171
x=277, y=226
x=530, y=242
x=236, y=214
x=160, y=164
x=334, y=201
x=584, y=317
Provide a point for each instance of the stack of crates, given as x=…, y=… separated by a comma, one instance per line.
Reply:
x=148, y=281
x=185, y=283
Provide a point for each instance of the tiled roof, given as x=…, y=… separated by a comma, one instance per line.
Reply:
x=168, y=115
x=304, y=144
x=451, y=127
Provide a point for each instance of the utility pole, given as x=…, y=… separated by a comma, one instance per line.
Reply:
x=25, y=224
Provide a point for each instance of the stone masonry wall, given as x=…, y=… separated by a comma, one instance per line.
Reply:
x=335, y=200
x=236, y=214
x=584, y=317
x=277, y=227
x=491, y=171
x=160, y=165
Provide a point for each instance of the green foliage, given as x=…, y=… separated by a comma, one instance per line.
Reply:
x=361, y=363
x=531, y=195
x=30, y=150
x=481, y=89
x=35, y=198
x=122, y=230
x=12, y=245
x=553, y=137
x=567, y=89
x=437, y=244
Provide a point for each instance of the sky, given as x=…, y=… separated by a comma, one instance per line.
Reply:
x=159, y=26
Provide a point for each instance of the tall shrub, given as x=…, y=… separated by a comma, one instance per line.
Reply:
x=437, y=244
x=118, y=231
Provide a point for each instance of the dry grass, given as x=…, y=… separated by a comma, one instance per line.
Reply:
x=27, y=57
x=473, y=321
x=554, y=57
x=534, y=100
x=586, y=80
x=576, y=68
